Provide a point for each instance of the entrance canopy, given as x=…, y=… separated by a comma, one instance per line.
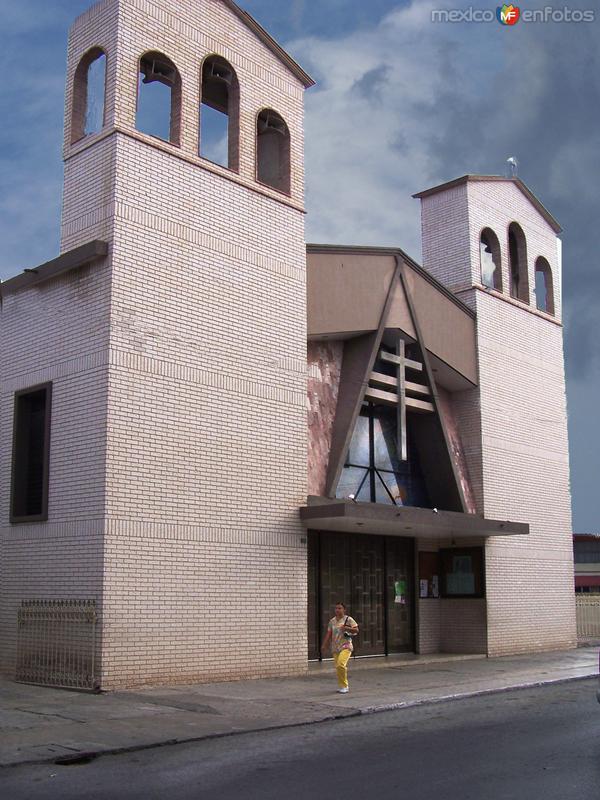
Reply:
x=325, y=514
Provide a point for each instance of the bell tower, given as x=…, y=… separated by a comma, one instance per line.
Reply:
x=184, y=151
x=494, y=244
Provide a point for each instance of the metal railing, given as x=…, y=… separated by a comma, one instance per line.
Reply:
x=56, y=643
x=588, y=616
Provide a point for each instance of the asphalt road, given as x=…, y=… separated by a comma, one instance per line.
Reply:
x=520, y=745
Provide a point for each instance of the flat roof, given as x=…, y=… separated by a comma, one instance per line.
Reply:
x=321, y=513
x=442, y=187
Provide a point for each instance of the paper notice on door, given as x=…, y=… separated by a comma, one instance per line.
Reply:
x=423, y=588
x=400, y=592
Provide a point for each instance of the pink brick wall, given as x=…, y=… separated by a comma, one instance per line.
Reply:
x=463, y=626
x=445, y=235
x=451, y=626
x=184, y=420
x=57, y=332
x=526, y=477
x=428, y=638
x=206, y=456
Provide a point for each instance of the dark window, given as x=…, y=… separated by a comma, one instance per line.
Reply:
x=273, y=151
x=219, y=113
x=489, y=251
x=88, y=95
x=31, y=449
x=373, y=472
x=587, y=552
x=544, y=293
x=517, y=251
x=159, y=98
x=462, y=572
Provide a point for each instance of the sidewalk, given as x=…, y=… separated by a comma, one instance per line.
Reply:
x=39, y=724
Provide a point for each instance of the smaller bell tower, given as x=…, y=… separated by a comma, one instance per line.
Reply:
x=494, y=244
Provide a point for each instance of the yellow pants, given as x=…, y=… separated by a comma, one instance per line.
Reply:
x=341, y=667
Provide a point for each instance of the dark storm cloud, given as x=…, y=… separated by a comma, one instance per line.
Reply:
x=373, y=83
x=544, y=107
x=421, y=103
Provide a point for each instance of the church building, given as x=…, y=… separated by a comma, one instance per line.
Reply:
x=210, y=431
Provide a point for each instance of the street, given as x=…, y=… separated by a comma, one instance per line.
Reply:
x=518, y=745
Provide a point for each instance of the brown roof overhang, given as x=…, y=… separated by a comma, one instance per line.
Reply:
x=273, y=46
x=73, y=259
x=367, y=250
x=346, y=516
x=517, y=181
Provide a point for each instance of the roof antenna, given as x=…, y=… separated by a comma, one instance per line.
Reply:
x=512, y=167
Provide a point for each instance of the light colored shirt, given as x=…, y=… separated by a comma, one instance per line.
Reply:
x=339, y=641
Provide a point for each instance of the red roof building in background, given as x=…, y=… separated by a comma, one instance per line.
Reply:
x=586, y=555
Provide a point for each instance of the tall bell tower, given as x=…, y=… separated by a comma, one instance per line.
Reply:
x=493, y=243
x=203, y=309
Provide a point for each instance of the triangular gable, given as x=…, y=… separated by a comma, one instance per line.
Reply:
x=412, y=389
x=541, y=208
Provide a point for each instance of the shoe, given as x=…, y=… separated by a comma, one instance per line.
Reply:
x=343, y=691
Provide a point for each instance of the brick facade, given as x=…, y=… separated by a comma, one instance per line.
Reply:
x=183, y=421
x=63, y=557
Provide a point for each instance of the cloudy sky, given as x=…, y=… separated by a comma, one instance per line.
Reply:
x=401, y=103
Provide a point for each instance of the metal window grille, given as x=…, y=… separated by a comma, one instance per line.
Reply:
x=56, y=643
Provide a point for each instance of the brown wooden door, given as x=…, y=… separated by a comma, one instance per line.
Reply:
x=335, y=575
x=361, y=571
x=366, y=600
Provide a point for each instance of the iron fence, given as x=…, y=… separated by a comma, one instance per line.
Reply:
x=56, y=643
x=588, y=616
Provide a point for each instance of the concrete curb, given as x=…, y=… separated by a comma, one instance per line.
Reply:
x=90, y=755
x=429, y=701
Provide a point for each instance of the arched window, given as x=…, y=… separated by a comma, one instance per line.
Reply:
x=273, y=151
x=89, y=88
x=220, y=113
x=489, y=254
x=517, y=251
x=544, y=289
x=159, y=98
